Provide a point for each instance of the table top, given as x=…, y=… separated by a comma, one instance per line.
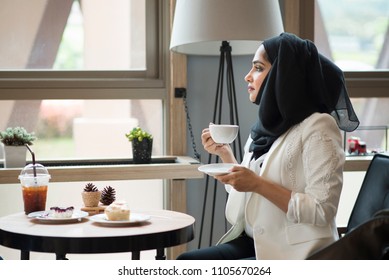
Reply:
x=163, y=229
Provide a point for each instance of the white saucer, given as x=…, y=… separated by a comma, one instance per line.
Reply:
x=217, y=168
x=45, y=216
x=135, y=218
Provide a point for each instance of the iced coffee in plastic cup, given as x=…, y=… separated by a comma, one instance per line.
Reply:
x=34, y=179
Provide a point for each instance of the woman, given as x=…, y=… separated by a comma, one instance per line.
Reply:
x=284, y=196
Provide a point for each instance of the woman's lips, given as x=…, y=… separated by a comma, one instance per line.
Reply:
x=250, y=89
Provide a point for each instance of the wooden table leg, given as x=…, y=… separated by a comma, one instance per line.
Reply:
x=160, y=254
x=24, y=255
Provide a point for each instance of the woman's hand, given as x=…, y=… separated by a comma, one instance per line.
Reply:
x=224, y=151
x=241, y=179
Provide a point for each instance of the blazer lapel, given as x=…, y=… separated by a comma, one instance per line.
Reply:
x=271, y=155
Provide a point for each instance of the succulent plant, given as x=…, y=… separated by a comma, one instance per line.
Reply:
x=90, y=187
x=108, y=195
x=139, y=134
x=17, y=136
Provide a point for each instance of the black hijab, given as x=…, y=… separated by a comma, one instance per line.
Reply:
x=300, y=82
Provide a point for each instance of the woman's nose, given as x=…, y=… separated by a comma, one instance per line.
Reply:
x=247, y=78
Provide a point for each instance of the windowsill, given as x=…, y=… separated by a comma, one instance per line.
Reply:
x=165, y=167
x=357, y=163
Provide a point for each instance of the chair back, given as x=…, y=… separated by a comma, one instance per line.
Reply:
x=374, y=193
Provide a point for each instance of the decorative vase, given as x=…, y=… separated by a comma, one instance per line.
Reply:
x=141, y=150
x=91, y=199
x=14, y=156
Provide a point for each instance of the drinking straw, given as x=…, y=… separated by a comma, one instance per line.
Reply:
x=33, y=159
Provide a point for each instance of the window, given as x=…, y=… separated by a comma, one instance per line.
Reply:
x=74, y=35
x=355, y=35
x=81, y=74
x=85, y=128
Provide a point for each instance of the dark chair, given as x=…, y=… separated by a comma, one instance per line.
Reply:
x=367, y=233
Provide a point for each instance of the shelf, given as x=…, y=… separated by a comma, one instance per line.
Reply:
x=167, y=167
x=357, y=163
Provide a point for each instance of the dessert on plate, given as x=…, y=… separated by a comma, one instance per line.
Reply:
x=61, y=212
x=117, y=211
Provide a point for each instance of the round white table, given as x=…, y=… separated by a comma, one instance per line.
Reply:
x=163, y=229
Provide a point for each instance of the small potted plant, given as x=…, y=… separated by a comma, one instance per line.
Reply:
x=142, y=145
x=91, y=195
x=14, y=140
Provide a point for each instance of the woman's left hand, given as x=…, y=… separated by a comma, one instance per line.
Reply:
x=241, y=179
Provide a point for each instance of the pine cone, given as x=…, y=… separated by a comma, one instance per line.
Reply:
x=108, y=195
x=90, y=187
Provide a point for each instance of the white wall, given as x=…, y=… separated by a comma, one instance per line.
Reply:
x=352, y=182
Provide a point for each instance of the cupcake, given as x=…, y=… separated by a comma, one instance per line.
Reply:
x=117, y=211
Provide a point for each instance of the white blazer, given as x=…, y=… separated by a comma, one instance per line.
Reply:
x=308, y=159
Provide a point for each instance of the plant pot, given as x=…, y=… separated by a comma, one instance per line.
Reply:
x=14, y=156
x=91, y=199
x=2, y=153
x=141, y=151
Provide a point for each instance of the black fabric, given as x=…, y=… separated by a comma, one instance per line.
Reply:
x=239, y=248
x=369, y=241
x=373, y=195
x=300, y=82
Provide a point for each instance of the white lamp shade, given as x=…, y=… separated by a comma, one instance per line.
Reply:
x=200, y=26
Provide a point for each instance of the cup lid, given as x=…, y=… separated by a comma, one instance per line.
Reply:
x=28, y=171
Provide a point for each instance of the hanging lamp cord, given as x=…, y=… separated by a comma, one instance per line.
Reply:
x=189, y=123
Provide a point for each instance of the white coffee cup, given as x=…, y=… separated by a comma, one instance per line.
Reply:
x=223, y=133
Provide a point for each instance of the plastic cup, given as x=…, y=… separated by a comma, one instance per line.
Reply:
x=34, y=179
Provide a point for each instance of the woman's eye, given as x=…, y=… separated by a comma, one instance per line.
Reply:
x=259, y=68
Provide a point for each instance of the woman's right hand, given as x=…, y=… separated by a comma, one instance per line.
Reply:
x=224, y=151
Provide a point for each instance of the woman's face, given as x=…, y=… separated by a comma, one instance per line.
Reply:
x=258, y=72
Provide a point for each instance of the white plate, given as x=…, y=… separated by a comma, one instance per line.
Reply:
x=134, y=219
x=216, y=168
x=45, y=216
